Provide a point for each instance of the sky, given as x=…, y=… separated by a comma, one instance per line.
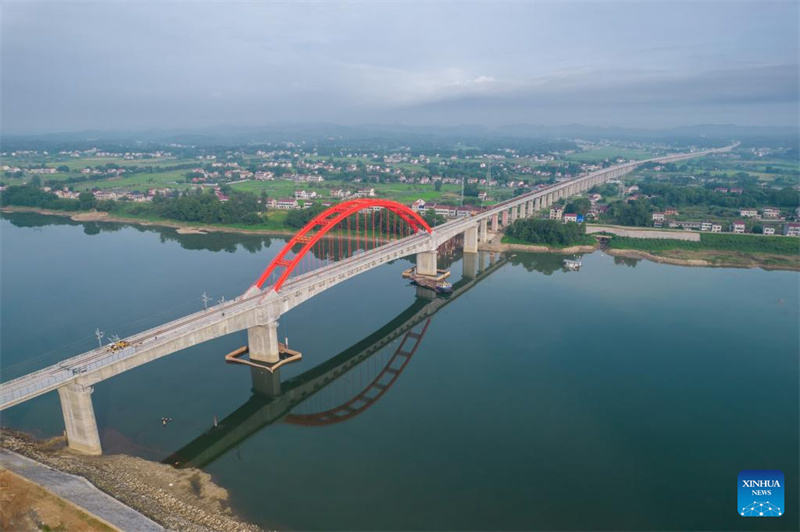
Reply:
x=71, y=66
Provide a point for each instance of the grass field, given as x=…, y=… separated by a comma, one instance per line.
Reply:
x=777, y=245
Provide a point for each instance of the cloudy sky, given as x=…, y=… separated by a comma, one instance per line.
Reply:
x=87, y=65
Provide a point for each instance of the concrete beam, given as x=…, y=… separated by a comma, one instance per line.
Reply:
x=79, y=419
x=262, y=341
x=426, y=263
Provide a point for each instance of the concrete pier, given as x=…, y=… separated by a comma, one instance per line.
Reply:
x=426, y=263
x=471, y=240
x=262, y=341
x=495, y=223
x=79, y=420
x=484, y=231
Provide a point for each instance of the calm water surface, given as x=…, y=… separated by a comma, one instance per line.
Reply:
x=625, y=396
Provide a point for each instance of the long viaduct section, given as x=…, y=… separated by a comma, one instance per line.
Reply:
x=260, y=307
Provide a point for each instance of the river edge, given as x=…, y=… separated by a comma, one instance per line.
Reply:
x=182, y=228
x=704, y=259
x=178, y=499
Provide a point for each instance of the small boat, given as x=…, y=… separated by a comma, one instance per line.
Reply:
x=572, y=264
x=437, y=285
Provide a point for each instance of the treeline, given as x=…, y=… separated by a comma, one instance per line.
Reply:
x=710, y=241
x=203, y=206
x=31, y=196
x=195, y=206
x=547, y=232
x=677, y=196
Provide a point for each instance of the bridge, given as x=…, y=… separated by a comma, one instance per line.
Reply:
x=273, y=402
x=344, y=241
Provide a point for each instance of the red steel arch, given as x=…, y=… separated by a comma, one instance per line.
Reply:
x=372, y=393
x=321, y=224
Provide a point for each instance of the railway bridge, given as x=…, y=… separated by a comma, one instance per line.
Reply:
x=339, y=243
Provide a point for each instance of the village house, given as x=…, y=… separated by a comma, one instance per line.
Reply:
x=418, y=206
x=287, y=204
x=722, y=190
x=772, y=212
x=716, y=228
x=658, y=216
x=769, y=230
x=737, y=227
x=748, y=213
x=302, y=194
x=365, y=193
x=570, y=217
x=339, y=193
x=556, y=214
x=671, y=212
x=706, y=226
x=792, y=229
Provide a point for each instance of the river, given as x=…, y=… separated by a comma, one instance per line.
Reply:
x=627, y=395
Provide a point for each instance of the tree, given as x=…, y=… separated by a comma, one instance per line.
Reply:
x=437, y=185
x=87, y=201
x=579, y=206
x=35, y=181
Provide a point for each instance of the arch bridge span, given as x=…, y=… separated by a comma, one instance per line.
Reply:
x=260, y=307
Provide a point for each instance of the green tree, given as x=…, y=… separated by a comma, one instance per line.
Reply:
x=87, y=201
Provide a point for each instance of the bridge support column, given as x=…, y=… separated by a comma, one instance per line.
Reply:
x=537, y=204
x=426, y=263
x=505, y=218
x=469, y=265
x=79, y=420
x=484, y=231
x=471, y=240
x=262, y=342
x=495, y=223
x=265, y=382
x=513, y=214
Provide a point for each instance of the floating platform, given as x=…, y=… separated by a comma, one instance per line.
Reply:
x=441, y=275
x=286, y=355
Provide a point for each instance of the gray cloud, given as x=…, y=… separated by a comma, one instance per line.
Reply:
x=68, y=66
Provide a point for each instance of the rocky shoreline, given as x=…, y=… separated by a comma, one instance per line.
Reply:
x=178, y=499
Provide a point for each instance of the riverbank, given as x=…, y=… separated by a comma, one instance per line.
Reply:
x=713, y=258
x=178, y=499
x=500, y=247
x=181, y=227
x=709, y=258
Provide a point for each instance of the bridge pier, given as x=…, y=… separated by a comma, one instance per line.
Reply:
x=471, y=240
x=495, y=223
x=79, y=419
x=262, y=343
x=484, y=231
x=426, y=263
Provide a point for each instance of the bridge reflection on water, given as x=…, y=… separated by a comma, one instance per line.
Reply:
x=341, y=388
